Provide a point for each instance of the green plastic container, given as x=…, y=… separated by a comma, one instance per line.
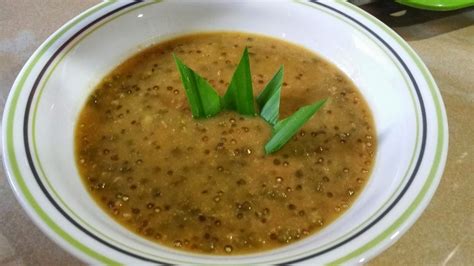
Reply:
x=437, y=5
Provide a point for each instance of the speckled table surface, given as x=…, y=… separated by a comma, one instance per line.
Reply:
x=443, y=235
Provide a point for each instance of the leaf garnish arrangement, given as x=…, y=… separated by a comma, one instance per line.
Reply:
x=205, y=102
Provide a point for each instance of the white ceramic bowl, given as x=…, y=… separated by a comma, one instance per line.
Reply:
x=50, y=91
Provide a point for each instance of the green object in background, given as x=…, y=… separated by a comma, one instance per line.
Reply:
x=437, y=5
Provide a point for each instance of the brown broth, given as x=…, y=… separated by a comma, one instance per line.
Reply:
x=206, y=185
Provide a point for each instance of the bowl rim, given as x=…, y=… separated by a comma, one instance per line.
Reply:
x=52, y=230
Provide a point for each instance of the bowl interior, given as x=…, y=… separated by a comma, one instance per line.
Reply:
x=89, y=57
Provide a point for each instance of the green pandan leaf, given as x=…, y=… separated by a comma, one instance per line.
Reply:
x=202, y=97
x=205, y=102
x=239, y=95
x=284, y=130
x=269, y=99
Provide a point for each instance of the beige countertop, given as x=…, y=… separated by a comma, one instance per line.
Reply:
x=444, y=235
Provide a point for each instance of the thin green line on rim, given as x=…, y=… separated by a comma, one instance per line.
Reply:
x=33, y=127
x=439, y=145
x=15, y=169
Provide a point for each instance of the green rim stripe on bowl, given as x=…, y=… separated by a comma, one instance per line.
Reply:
x=33, y=127
x=319, y=248
x=417, y=122
x=437, y=160
x=417, y=126
x=10, y=144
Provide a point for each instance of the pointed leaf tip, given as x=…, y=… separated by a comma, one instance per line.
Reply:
x=285, y=129
x=239, y=94
x=202, y=97
x=269, y=99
